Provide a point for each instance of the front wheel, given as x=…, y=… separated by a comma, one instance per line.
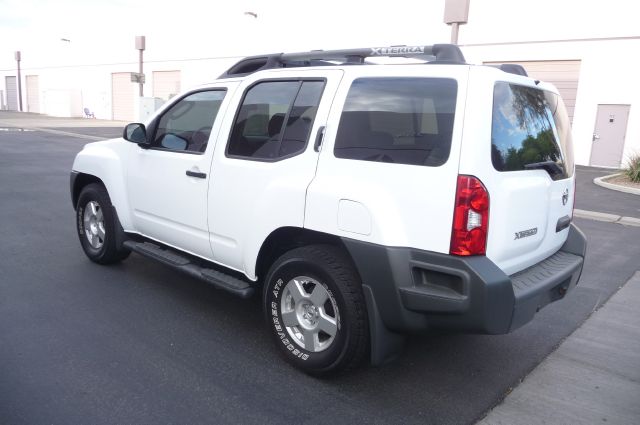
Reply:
x=96, y=225
x=316, y=310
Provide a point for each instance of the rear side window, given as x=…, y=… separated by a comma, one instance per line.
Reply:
x=398, y=120
x=530, y=130
x=275, y=119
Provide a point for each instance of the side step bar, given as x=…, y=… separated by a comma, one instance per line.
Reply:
x=183, y=263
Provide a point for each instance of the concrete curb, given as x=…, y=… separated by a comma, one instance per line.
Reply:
x=600, y=182
x=607, y=218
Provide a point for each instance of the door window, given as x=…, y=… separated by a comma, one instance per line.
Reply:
x=186, y=126
x=275, y=119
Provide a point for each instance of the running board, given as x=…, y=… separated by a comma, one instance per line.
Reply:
x=183, y=263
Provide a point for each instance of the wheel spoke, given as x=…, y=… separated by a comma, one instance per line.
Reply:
x=327, y=324
x=99, y=215
x=297, y=291
x=90, y=238
x=289, y=318
x=87, y=223
x=311, y=340
x=101, y=232
x=94, y=210
x=319, y=295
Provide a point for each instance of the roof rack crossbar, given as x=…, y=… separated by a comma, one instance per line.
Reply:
x=441, y=53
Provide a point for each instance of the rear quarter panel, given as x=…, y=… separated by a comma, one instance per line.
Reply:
x=387, y=203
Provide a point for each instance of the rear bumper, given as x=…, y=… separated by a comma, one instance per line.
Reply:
x=413, y=290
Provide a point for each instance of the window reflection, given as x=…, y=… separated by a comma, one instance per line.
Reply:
x=524, y=131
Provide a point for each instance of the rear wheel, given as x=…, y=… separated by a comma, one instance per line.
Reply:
x=96, y=225
x=316, y=311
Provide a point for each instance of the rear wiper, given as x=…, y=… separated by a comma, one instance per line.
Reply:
x=549, y=166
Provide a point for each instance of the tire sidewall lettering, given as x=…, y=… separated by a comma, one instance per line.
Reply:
x=80, y=220
x=281, y=332
x=274, y=294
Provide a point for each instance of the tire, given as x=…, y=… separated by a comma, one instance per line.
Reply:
x=96, y=226
x=316, y=311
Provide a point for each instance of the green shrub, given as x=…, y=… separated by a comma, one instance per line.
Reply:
x=633, y=170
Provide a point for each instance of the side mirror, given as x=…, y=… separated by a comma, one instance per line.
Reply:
x=136, y=133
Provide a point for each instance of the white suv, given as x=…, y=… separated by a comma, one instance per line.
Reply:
x=365, y=201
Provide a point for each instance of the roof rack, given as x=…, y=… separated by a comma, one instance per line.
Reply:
x=512, y=68
x=438, y=53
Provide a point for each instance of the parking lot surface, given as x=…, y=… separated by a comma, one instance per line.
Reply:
x=140, y=343
x=595, y=198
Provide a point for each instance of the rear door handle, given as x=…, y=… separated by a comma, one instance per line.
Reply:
x=196, y=174
x=319, y=137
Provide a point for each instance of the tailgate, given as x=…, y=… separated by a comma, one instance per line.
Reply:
x=532, y=189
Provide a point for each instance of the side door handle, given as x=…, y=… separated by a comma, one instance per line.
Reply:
x=319, y=137
x=196, y=174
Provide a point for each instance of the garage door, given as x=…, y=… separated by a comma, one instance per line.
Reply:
x=562, y=74
x=122, y=96
x=33, y=94
x=12, y=93
x=166, y=84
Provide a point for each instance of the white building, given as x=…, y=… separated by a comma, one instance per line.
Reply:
x=598, y=82
x=593, y=63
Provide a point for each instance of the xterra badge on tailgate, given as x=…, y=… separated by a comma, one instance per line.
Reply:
x=526, y=233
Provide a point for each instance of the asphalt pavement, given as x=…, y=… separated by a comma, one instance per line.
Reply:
x=591, y=197
x=139, y=343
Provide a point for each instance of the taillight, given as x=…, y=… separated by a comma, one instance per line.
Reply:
x=470, y=218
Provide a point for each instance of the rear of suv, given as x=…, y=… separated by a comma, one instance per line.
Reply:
x=366, y=202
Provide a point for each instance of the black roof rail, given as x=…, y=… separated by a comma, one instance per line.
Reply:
x=512, y=68
x=438, y=53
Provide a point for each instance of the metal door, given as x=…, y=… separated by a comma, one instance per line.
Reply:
x=609, y=135
x=12, y=93
x=33, y=94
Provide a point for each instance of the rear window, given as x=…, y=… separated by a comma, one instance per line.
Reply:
x=530, y=130
x=398, y=120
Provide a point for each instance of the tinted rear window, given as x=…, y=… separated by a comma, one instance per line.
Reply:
x=530, y=130
x=398, y=120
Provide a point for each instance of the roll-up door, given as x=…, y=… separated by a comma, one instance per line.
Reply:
x=33, y=93
x=122, y=96
x=12, y=93
x=562, y=74
x=166, y=84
